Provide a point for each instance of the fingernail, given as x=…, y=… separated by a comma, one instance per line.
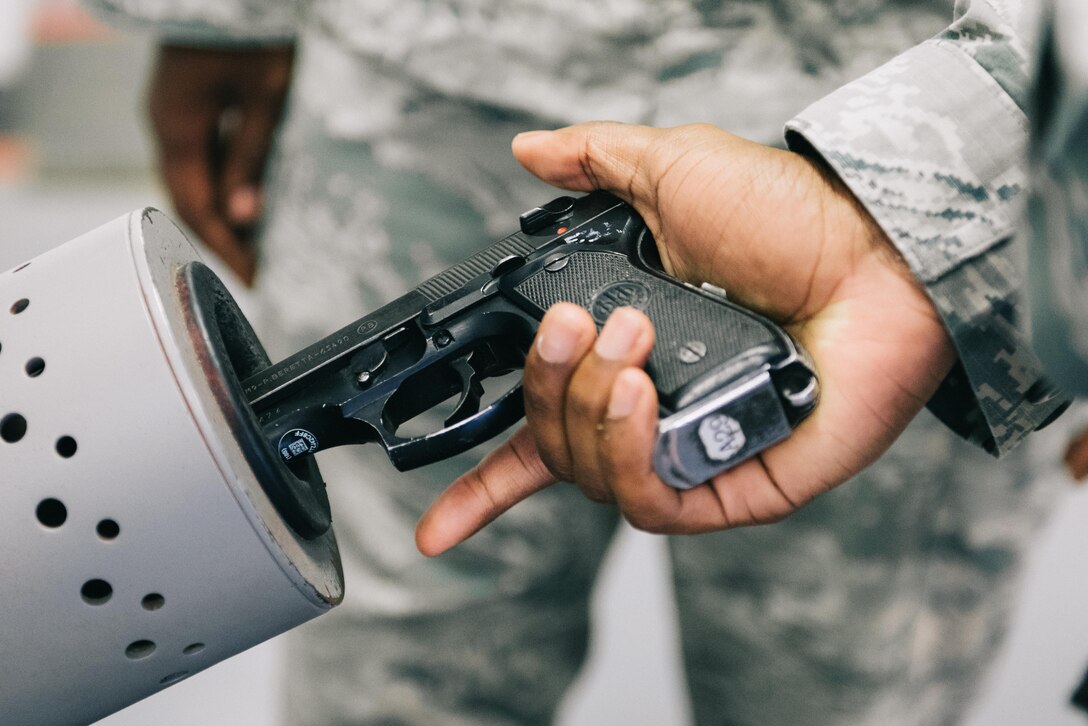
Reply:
x=556, y=345
x=626, y=392
x=526, y=135
x=245, y=204
x=619, y=335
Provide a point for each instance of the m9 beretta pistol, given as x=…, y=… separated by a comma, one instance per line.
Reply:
x=730, y=382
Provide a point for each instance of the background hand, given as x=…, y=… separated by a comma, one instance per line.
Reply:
x=783, y=237
x=214, y=113
x=1076, y=456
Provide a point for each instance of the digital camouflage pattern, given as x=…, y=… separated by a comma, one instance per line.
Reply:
x=1058, y=269
x=201, y=22
x=879, y=603
x=1057, y=262
x=1057, y=259
x=934, y=144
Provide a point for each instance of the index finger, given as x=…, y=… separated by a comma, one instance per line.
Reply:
x=510, y=473
x=188, y=175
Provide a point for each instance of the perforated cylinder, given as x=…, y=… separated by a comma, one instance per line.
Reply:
x=137, y=546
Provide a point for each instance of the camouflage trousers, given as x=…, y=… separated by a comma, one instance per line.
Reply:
x=882, y=602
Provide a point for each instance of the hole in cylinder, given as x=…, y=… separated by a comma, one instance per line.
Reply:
x=51, y=512
x=139, y=649
x=96, y=592
x=12, y=427
x=153, y=601
x=66, y=446
x=108, y=529
x=19, y=306
x=193, y=649
x=173, y=678
x=21, y=267
x=34, y=367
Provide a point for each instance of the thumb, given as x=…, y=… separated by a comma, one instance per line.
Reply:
x=595, y=155
x=507, y=475
x=246, y=154
x=1076, y=456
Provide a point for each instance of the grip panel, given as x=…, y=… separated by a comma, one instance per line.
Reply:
x=697, y=335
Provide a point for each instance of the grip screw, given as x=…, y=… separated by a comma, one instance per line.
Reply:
x=692, y=351
x=557, y=264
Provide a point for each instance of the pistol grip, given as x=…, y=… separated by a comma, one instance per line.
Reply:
x=720, y=370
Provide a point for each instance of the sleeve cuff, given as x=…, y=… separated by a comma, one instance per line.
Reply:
x=935, y=149
x=204, y=23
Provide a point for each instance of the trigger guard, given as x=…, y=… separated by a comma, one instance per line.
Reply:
x=502, y=413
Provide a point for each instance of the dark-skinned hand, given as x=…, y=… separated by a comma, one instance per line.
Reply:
x=784, y=237
x=214, y=113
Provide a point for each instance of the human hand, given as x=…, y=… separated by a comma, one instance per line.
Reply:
x=1076, y=456
x=784, y=237
x=214, y=113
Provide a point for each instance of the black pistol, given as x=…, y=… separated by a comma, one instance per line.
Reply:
x=730, y=382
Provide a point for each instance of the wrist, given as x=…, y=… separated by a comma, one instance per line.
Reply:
x=873, y=261
x=854, y=221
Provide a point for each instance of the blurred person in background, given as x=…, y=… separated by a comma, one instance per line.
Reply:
x=858, y=296
x=15, y=17
x=14, y=39
x=336, y=154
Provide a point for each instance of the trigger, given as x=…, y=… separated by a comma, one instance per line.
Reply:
x=471, y=392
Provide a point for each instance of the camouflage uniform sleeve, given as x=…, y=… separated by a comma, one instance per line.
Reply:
x=206, y=22
x=934, y=145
